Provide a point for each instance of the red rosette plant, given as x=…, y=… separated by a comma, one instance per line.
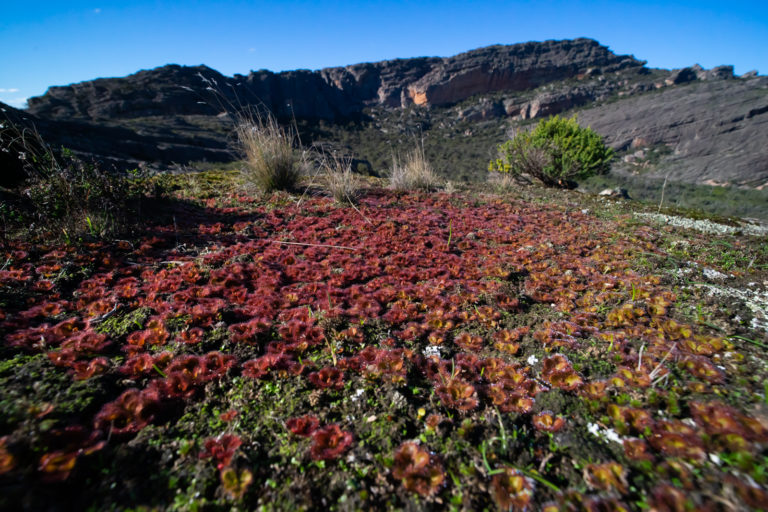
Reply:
x=303, y=426
x=420, y=471
x=329, y=442
x=327, y=377
x=511, y=490
x=221, y=449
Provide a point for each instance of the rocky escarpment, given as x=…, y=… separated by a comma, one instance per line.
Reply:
x=332, y=93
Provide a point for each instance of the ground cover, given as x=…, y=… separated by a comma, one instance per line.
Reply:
x=418, y=351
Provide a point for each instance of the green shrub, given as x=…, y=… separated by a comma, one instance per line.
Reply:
x=557, y=151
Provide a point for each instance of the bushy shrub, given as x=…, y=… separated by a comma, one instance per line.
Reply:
x=557, y=151
x=270, y=161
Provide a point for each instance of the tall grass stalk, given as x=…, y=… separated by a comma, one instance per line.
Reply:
x=270, y=161
x=413, y=172
x=343, y=184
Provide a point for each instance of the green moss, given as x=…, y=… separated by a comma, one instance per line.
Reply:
x=124, y=322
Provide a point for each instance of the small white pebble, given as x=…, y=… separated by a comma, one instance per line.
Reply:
x=714, y=458
x=371, y=419
x=532, y=360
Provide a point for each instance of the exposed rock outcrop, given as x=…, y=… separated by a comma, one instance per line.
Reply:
x=714, y=130
x=332, y=93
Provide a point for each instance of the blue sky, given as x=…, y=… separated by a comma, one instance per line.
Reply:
x=60, y=42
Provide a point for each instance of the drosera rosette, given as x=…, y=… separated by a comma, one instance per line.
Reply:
x=547, y=421
x=303, y=426
x=557, y=371
x=419, y=470
x=327, y=378
x=609, y=476
x=329, y=442
x=235, y=482
x=511, y=489
x=70, y=443
x=221, y=449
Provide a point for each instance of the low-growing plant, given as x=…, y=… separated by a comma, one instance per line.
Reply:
x=556, y=152
x=270, y=161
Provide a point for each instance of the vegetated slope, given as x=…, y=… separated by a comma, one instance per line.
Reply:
x=712, y=124
x=418, y=352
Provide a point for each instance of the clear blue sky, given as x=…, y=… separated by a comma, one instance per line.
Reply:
x=64, y=41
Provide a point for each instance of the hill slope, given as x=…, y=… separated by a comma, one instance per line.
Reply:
x=706, y=126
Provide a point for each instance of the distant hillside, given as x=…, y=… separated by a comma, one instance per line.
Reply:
x=700, y=126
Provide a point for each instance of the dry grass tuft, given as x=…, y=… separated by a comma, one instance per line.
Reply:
x=503, y=183
x=271, y=162
x=343, y=184
x=413, y=173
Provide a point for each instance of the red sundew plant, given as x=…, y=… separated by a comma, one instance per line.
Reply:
x=667, y=497
x=703, y=368
x=132, y=411
x=221, y=449
x=7, y=459
x=457, y=394
x=726, y=427
x=557, y=371
x=56, y=466
x=511, y=490
x=191, y=336
x=228, y=416
x=546, y=421
x=675, y=439
x=85, y=370
x=468, y=342
x=420, y=471
x=637, y=449
x=249, y=332
x=303, y=426
x=606, y=477
x=327, y=377
x=175, y=385
x=86, y=343
x=506, y=340
x=75, y=441
x=329, y=442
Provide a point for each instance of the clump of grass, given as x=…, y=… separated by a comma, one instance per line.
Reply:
x=61, y=195
x=270, y=161
x=503, y=183
x=342, y=183
x=412, y=173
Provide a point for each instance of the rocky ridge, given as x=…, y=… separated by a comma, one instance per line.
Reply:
x=707, y=121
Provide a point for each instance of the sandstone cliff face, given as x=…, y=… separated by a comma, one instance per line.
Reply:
x=514, y=68
x=332, y=93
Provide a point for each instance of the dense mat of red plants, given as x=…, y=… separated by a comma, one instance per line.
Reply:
x=448, y=285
